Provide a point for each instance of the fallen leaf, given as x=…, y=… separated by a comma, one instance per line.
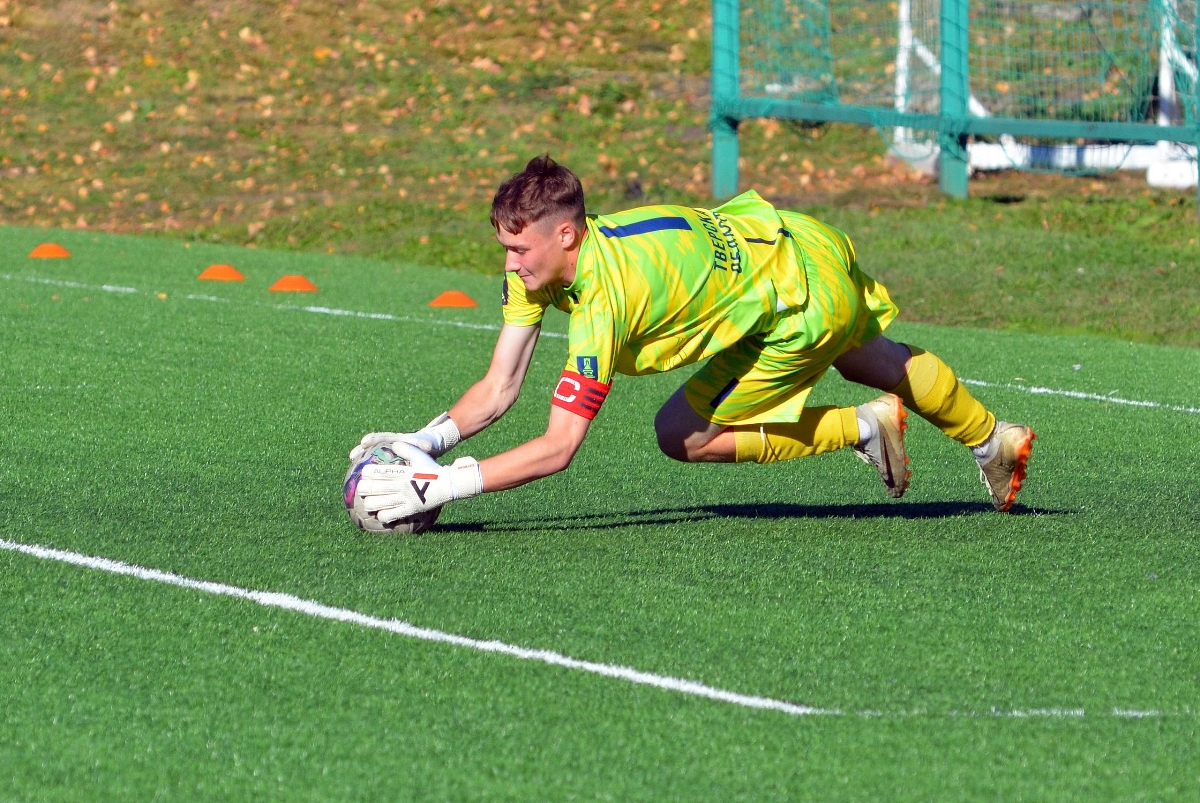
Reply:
x=484, y=63
x=255, y=228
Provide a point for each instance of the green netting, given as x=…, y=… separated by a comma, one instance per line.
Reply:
x=1065, y=60
x=1112, y=61
x=1183, y=19
x=822, y=52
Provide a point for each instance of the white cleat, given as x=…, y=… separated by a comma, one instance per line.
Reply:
x=884, y=449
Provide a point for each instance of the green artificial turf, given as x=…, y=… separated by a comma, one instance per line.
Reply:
x=208, y=438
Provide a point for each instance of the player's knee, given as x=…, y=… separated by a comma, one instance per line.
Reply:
x=879, y=363
x=671, y=441
x=673, y=448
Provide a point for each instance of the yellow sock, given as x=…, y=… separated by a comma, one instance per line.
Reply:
x=820, y=429
x=931, y=390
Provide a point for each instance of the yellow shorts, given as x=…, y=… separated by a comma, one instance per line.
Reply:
x=766, y=378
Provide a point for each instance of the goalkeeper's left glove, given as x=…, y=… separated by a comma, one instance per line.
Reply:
x=394, y=491
x=436, y=438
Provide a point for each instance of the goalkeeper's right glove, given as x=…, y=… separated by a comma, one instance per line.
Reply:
x=394, y=491
x=437, y=437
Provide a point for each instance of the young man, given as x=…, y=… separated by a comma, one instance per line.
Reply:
x=771, y=298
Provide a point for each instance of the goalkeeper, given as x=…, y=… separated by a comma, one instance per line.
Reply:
x=770, y=298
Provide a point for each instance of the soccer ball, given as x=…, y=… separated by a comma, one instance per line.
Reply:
x=367, y=521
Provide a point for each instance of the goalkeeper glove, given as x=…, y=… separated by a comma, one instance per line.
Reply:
x=394, y=491
x=438, y=437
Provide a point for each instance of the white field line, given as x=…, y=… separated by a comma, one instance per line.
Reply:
x=108, y=288
x=1076, y=394
x=288, y=602
x=270, y=599
x=384, y=316
x=379, y=316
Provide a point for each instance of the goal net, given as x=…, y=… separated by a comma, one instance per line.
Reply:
x=1064, y=85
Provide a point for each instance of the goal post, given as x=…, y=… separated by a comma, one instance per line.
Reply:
x=1066, y=85
x=954, y=91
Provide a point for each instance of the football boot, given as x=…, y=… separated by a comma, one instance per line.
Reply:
x=884, y=450
x=1006, y=456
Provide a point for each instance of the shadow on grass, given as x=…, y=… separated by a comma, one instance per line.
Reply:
x=777, y=511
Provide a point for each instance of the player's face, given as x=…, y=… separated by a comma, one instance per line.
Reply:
x=537, y=255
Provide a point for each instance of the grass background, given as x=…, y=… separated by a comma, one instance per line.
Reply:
x=359, y=144
x=383, y=128
x=209, y=438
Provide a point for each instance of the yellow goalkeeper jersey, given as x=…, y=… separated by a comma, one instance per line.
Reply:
x=659, y=287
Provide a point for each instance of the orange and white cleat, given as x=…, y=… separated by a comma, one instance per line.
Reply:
x=884, y=449
x=1003, y=459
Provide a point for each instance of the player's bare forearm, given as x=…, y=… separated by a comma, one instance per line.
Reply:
x=539, y=457
x=491, y=397
x=481, y=406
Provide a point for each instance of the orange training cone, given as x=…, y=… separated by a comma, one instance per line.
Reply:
x=453, y=298
x=293, y=284
x=222, y=273
x=49, y=251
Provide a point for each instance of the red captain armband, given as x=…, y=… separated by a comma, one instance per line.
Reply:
x=580, y=395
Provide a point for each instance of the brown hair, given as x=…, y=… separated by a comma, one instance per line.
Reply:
x=543, y=189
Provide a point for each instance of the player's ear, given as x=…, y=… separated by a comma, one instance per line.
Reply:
x=567, y=235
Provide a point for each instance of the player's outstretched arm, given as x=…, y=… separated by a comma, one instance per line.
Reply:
x=539, y=457
x=482, y=405
x=491, y=397
x=396, y=491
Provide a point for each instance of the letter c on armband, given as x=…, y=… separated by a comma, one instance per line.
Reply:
x=558, y=394
x=580, y=395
